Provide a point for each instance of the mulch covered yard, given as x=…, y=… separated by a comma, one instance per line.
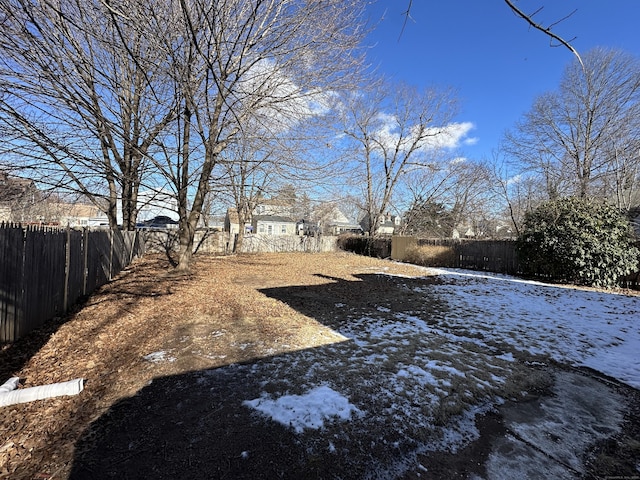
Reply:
x=150, y=312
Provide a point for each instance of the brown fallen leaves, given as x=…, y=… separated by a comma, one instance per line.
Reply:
x=213, y=317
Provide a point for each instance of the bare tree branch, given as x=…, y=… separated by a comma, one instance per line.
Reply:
x=407, y=16
x=393, y=132
x=545, y=30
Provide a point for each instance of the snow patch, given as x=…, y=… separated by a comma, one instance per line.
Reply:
x=305, y=411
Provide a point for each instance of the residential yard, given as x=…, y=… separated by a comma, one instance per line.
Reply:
x=329, y=366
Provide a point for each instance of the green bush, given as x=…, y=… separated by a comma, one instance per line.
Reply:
x=578, y=241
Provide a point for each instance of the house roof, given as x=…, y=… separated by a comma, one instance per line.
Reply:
x=273, y=218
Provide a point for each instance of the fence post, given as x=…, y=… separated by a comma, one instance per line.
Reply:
x=110, y=255
x=85, y=260
x=67, y=267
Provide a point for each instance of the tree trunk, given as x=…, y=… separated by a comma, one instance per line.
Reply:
x=237, y=246
x=186, y=239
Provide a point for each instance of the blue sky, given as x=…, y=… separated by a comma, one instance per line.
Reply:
x=495, y=61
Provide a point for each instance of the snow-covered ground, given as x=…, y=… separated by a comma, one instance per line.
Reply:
x=419, y=377
x=583, y=328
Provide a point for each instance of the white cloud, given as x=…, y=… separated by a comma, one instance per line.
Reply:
x=282, y=103
x=450, y=136
x=458, y=161
x=514, y=180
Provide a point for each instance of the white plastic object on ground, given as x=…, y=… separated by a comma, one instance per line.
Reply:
x=9, y=385
x=10, y=394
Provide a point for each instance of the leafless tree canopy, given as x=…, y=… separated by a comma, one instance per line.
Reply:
x=80, y=101
x=105, y=98
x=583, y=138
x=113, y=95
x=394, y=132
x=255, y=68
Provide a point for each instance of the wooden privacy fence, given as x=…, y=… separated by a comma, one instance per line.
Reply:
x=498, y=256
x=44, y=271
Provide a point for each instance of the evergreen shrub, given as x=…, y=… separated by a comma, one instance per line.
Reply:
x=578, y=241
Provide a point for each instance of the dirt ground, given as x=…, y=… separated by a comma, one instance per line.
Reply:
x=159, y=333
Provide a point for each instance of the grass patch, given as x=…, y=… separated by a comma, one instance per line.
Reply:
x=528, y=381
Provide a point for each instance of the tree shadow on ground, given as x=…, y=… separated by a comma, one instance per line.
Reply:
x=366, y=294
x=195, y=425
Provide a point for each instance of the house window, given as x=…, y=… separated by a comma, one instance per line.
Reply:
x=283, y=229
x=261, y=228
x=270, y=230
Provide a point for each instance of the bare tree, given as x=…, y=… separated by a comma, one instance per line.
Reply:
x=247, y=174
x=393, y=132
x=573, y=137
x=622, y=181
x=446, y=196
x=519, y=191
x=433, y=185
x=281, y=163
x=470, y=197
x=240, y=65
x=81, y=102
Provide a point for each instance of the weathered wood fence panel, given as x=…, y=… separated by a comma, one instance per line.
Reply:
x=98, y=255
x=498, y=256
x=400, y=245
x=74, y=275
x=43, y=272
x=11, y=281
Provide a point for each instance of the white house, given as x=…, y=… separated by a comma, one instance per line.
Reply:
x=156, y=203
x=331, y=221
x=271, y=216
x=387, y=225
x=273, y=225
x=232, y=222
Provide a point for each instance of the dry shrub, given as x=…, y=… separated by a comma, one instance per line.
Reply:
x=431, y=256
